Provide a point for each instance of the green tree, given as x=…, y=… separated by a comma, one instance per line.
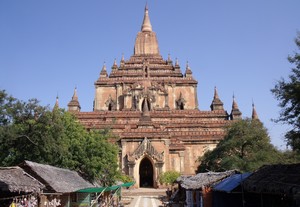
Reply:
x=245, y=147
x=101, y=157
x=29, y=131
x=124, y=178
x=169, y=177
x=287, y=92
x=22, y=130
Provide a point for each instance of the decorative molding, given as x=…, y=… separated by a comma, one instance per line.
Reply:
x=146, y=148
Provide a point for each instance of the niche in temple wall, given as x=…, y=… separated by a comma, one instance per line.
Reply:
x=111, y=104
x=103, y=94
x=159, y=94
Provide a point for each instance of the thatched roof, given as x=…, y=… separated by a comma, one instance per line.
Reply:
x=203, y=179
x=56, y=179
x=15, y=179
x=277, y=179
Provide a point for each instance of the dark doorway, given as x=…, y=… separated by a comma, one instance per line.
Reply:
x=110, y=107
x=148, y=104
x=181, y=106
x=146, y=173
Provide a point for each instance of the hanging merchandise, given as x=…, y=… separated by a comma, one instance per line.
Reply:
x=33, y=201
x=24, y=201
x=13, y=204
x=55, y=202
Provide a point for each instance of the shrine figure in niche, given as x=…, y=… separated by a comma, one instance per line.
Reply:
x=180, y=102
x=135, y=102
x=111, y=104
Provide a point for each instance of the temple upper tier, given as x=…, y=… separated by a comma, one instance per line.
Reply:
x=145, y=77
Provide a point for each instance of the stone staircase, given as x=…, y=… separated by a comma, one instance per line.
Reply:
x=129, y=194
x=144, y=191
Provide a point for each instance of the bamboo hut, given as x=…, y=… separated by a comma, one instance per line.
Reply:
x=197, y=190
x=16, y=183
x=274, y=185
x=60, y=185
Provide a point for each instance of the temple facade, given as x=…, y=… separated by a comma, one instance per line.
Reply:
x=151, y=105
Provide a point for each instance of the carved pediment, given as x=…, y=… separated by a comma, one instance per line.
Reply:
x=149, y=96
x=146, y=148
x=137, y=86
x=133, y=89
x=158, y=87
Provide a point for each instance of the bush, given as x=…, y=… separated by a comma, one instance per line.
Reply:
x=124, y=178
x=168, y=177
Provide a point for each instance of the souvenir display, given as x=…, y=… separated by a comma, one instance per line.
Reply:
x=24, y=201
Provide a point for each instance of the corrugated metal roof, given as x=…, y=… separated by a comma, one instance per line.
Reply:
x=231, y=182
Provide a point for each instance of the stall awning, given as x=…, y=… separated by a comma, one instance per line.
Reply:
x=105, y=189
x=230, y=183
x=127, y=184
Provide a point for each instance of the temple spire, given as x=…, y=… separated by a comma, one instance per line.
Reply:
x=234, y=103
x=146, y=26
x=115, y=65
x=169, y=61
x=216, y=104
x=235, y=111
x=103, y=73
x=56, y=105
x=176, y=62
x=216, y=95
x=254, y=113
x=188, y=71
x=146, y=42
x=75, y=96
x=74, y=103
x=122, y=62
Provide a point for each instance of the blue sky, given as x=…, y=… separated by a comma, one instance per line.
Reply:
x=241, y=47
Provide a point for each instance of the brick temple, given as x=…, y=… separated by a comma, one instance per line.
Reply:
x=151, y=104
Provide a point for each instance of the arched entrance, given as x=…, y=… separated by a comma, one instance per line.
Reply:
x=146, y=173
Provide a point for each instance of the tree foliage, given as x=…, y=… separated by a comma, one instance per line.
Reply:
x=245, y=147
x=287, y=92
x=32, y=132
x=124, y=178
x=169, y=177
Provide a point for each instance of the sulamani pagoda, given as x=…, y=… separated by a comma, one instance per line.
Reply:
x=151, y=105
